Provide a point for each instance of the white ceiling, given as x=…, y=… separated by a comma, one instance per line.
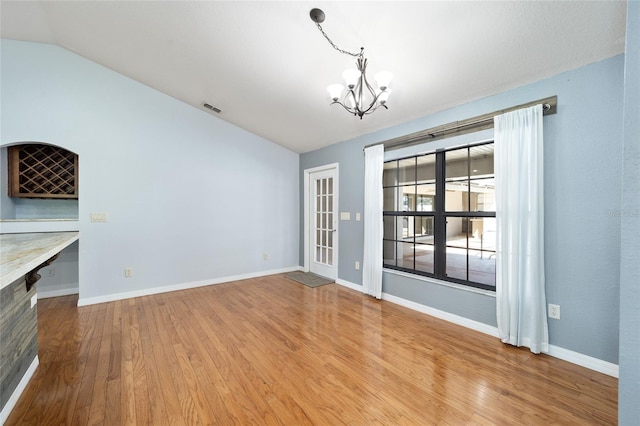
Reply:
x=266, y=65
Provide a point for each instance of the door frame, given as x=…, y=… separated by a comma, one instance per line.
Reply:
x=307, y=236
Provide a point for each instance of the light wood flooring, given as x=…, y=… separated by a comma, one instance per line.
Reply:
x=271, y=351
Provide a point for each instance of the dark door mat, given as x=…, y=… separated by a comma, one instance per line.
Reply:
x=308, y=279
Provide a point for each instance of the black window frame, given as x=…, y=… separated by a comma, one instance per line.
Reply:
x=439, y=215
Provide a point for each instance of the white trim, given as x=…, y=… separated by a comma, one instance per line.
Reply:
x=586, y=361
x=305, y=265
x=456, y=319
x=336, y=200
x=57, y=293
x=8, y=407
x=441, y=282
x=84, y=301
x=348, y=284
x=573, y=357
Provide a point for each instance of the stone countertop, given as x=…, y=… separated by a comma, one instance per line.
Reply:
x=20, y=253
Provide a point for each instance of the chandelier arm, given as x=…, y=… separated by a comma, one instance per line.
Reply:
x=349, y=110
x=377, y=106
x=374, y=106
x=371, y=90
x=355, y=110
x=373, y=94
x=358, y=112
x=360, y=87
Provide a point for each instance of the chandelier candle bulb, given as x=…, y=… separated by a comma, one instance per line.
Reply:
x=383, y=78
x=335, y=91
x=351, y=77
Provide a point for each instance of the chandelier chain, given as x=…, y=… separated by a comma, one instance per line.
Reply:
x=360, y=98
x=357, y=55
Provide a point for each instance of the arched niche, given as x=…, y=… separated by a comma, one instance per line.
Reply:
x=25, y=207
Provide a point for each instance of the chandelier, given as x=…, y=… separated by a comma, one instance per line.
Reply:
x=360, y=98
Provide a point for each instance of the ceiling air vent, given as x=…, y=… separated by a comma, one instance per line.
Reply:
x=212, y=108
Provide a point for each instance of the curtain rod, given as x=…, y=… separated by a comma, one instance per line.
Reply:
x=456, y=128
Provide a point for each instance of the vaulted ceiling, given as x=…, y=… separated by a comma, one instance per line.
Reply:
x=266, y=65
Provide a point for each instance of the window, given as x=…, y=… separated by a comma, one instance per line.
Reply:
x=439, y=215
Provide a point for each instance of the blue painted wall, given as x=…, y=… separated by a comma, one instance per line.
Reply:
x=583, y=147
x=629, y=384
x=189, y=197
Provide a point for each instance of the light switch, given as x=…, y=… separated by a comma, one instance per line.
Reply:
x=98, y=217
x=345, y=216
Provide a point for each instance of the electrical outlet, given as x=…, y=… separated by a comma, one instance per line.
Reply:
x=51, y=272
x=554, y=311
x=128, y=272
x=265, y=256
x=357, y=217
x=357, y=265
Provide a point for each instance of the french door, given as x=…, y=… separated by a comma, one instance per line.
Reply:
x=322, y=219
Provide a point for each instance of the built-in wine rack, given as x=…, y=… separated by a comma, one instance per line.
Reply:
x=42, y=171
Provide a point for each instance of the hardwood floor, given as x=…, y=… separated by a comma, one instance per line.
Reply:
x=272, y=351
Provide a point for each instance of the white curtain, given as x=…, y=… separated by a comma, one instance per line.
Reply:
x=372, y=258
x=520, y=292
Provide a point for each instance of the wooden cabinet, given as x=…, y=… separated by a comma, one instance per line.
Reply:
x=42, y=171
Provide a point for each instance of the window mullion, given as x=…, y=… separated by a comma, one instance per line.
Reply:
x=440, y=222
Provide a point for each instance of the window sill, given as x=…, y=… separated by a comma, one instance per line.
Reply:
x=440, y=282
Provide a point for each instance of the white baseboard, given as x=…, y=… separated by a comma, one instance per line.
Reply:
x=595, y=364
x=175, y=287
x=349, y=284
x=57, y=293
x=573, y=357
x=577, y=358
x=456, y=319
x=8, y=407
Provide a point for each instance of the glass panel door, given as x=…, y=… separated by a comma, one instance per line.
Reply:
x=323, y=223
